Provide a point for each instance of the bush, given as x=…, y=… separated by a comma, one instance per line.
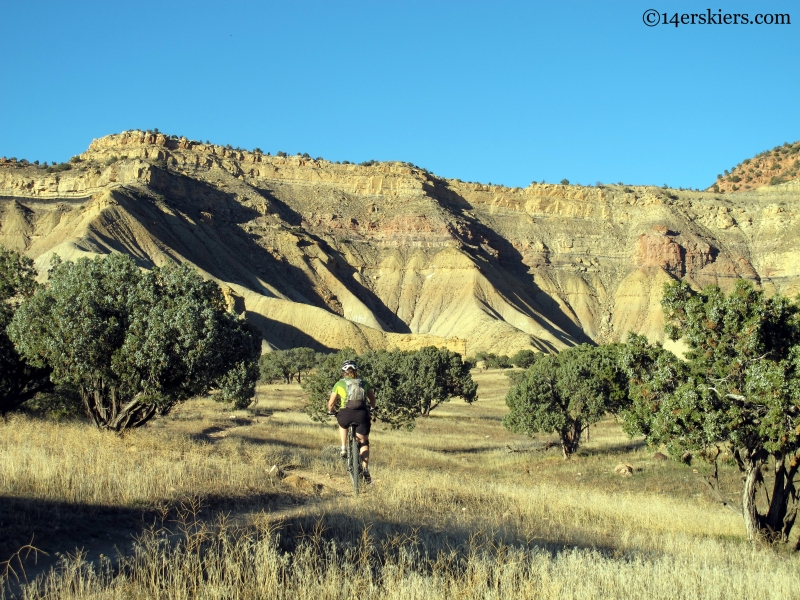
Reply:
x=111, y=160
x=736, y=390
x=136, y=343
x=286, y=365
x=407, y=384
x=524, y=358
x=58, y=168
x=565, y=182
x=19, y=379
x=59, y=403
x=565, y=393
x=493, y=361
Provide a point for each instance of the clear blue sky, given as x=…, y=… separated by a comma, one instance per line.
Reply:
x=507, y=92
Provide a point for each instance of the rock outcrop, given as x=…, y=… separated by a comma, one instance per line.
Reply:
x=389, y=255
x=773, y=167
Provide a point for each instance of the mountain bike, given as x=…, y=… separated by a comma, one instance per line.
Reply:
x=353, y=463
x=353, y=459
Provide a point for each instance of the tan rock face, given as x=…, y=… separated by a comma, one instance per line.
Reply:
x=388, y=255
x=656, y=249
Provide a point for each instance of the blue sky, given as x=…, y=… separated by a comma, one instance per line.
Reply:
x=502, y=92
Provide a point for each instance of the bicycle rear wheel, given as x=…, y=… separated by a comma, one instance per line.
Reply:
x=353, y=458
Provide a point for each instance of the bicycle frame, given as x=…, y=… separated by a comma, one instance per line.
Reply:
x=353, y=458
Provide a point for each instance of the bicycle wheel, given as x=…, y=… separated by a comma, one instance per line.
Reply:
x=353, y=458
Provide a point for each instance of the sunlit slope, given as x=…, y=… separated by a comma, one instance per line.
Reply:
x=332, y=255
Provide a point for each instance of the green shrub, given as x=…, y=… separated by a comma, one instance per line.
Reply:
x=19, y=379
x=565, y=393
x=58, y=168
x=287, y=365
x=407, y=384
x=62, y=402
x=135, y=343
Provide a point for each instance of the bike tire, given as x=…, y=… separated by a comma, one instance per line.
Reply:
x=354, y=460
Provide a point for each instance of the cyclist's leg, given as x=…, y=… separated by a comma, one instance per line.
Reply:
x=363, y=442
x=343, y=420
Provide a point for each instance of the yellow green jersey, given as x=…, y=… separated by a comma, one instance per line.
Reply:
x=341, y=390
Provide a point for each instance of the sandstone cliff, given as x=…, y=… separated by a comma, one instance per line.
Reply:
x=389, y=255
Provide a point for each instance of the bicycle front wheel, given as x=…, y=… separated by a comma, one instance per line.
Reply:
x=354, y=462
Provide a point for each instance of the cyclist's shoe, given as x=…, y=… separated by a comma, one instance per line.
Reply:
x=367, y=477
x=343, y=453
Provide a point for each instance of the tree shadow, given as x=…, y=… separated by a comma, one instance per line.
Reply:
x=464, y=450
x=429, y=541
x=612, y=449
x=56, y=528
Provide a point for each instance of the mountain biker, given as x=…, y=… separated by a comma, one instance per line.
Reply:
x=348, y=400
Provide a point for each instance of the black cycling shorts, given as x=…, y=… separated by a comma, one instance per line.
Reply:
x=345, y=416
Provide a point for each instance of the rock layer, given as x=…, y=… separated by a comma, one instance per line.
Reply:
x=389, y=255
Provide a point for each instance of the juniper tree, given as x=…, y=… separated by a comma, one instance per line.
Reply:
x=19, y=380
x=407, y=384
x=566, y=393
x=286, y=364
x=738, y=391
x=135, y=343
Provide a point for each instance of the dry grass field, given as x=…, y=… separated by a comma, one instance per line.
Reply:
x=186, y=508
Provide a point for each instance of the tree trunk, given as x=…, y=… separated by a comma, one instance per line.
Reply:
x=789, y=497
x=778, y=504
x=103, y=406
x=753, y=522
x=570, y=438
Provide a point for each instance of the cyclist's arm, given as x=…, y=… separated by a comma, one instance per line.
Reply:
x=332, y=401
x=371, y=396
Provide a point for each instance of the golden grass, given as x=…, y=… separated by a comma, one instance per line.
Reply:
x=453, y=512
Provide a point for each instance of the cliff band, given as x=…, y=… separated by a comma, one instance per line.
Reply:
x=389, y=255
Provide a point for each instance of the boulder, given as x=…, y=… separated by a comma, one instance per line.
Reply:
x=623, y=470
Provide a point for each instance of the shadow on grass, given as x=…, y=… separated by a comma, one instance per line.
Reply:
x=57, y=528
x=465, y=450
x=389, y=537
x=612, y=449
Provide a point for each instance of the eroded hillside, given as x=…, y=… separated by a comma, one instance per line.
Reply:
x=328, y=255
x=771, y=167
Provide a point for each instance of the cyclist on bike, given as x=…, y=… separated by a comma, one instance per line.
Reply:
x=348, y=399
